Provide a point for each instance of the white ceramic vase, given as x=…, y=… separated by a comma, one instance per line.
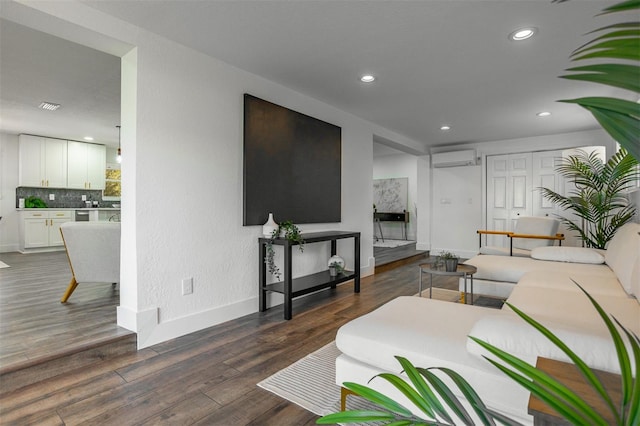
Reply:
x=269, y=226
x=336, y=259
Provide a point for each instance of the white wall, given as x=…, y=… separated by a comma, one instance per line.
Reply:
x=470, y=217
x=423, y=223
x=182, y=177
x=400, y=166
x=8, y=183
x=456, y=210
x=182, y=182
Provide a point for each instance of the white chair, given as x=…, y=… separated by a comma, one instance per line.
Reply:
x=93, y=249
x=529, y=233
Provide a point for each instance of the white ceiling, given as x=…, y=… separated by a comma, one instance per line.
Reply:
x=437, y=62
x=37, y=67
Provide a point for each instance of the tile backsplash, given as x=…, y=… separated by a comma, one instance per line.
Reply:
x=64, y=198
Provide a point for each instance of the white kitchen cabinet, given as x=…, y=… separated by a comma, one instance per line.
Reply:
x=36, y=232
x=96, y=166
x=41, y=228
x=42, y=162
x=86, y=165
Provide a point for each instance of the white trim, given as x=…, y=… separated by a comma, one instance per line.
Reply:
x=150, y=334
x=423, y=246
x=7, y=248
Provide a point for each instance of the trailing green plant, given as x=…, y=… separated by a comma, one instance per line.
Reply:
x=426, y=390
x=618, y=117
x=599, y=196
x=291, y=232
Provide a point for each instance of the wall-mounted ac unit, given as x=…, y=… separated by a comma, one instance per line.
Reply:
x=454, y=158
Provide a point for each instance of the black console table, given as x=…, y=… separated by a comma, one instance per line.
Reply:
x=294, y=287
x=391, y=217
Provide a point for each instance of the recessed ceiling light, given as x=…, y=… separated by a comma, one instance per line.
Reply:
x=88, y=138
x=49, y=106
x=445, y=128
x=368, y=78
x=523, y=33
x=543, y=114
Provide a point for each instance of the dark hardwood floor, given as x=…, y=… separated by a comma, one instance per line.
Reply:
x=34, y=324
x=204, y=378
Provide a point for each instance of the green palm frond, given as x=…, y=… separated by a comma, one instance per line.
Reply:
x=616, y=75
x=619, y=41
x=599, y=197
x=623, y=6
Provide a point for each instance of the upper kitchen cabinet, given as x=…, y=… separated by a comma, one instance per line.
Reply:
x=87, y=163
x=42, y=162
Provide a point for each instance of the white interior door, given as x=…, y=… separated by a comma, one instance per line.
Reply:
x=544, y=175
x=497, y=193
x=509, y=184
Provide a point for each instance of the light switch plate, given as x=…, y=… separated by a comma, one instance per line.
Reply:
x=187, y=286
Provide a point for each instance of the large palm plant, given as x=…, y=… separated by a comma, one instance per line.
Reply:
x=599, y=198
x=621, y=42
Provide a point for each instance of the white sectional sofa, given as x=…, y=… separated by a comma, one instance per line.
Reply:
x=432, y=333
x=497, y=275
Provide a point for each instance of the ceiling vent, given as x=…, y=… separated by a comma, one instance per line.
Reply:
x=49, y=106
x=454, y=158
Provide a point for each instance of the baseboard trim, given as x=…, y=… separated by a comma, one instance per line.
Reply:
x=149, y=334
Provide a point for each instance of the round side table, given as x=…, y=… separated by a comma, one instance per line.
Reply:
x=465, y=271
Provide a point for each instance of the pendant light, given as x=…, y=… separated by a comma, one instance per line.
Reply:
x=119, y=156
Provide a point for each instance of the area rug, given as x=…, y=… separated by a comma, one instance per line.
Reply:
x=3, y=265
x=310, y=383
x=392, y=243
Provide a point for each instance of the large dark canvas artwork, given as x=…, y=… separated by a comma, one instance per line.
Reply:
x=292, y=165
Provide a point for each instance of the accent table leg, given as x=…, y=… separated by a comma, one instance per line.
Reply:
x=356, y=267
x=288, y=284
x=430, y=286
x=380, y=228
x=334, y=251
x=465, y=290
x=262, y=278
